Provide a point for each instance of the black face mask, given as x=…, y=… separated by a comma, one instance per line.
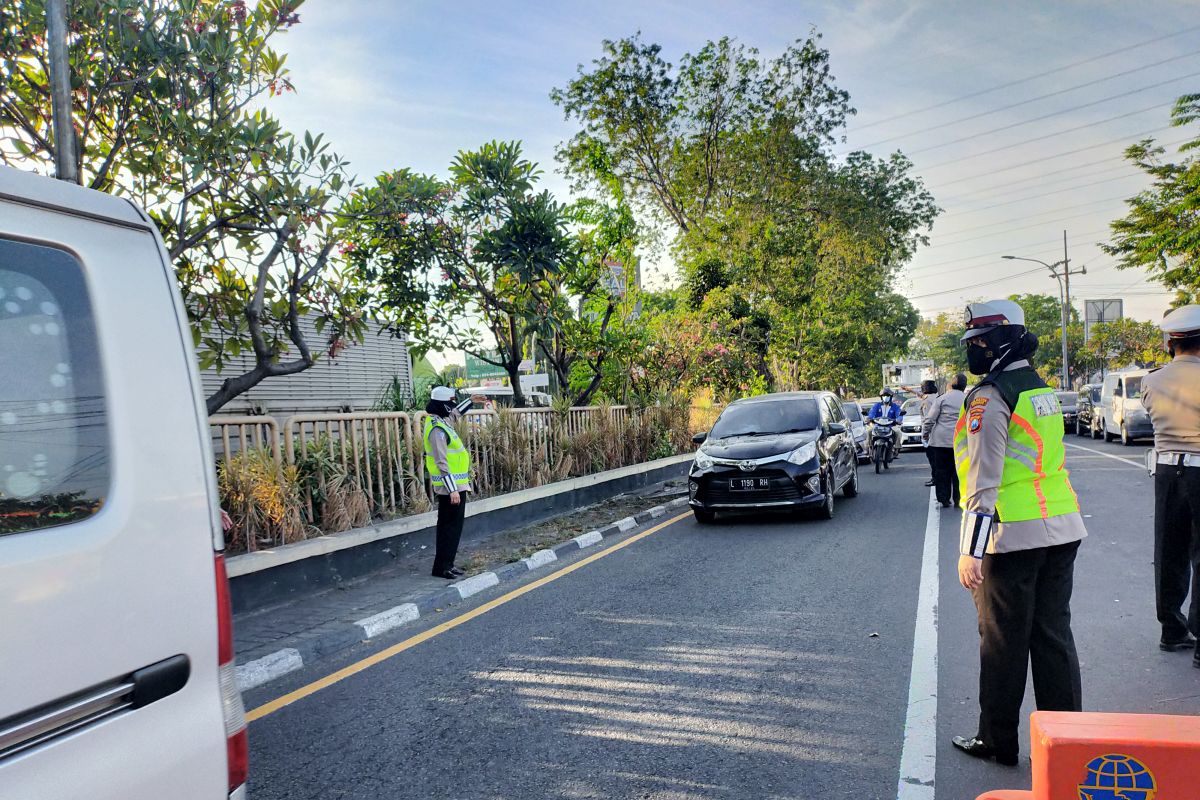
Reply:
x=980, y=359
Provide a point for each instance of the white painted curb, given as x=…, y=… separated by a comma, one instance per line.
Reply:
x=476, y=584
x=627, y=524
x=386, y=620
x=539, y=559
x=657, y=511
x=268, y=668
x=588, y=539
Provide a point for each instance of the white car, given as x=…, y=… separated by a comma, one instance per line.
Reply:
x=117, y=672
x=858, y=427
x=910, y=425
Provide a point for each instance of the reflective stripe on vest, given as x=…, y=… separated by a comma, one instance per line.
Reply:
x=1034, y=483
x=457, y=457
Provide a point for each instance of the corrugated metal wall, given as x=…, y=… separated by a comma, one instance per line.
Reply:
x=351, y=382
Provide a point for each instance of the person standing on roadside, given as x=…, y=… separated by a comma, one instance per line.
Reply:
x=1172, y=396
x=449, y=467
x=1020, y=531
x=939, y=424
x=928, y=396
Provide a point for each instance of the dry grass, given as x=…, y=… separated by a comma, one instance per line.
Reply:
x=262, y=498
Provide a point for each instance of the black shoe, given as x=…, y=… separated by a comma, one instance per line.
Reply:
x=947, y=504
x=1185, y=642
x=977, y=749
x=448, y=574
x=1196, y=659
x=929, y=483
x=458, y=573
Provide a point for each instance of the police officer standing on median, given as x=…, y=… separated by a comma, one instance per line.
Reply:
x=1021, y=529
x=1172, y=396
x=449, y=467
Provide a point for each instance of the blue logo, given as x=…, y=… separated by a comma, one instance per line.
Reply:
x=1114, y=777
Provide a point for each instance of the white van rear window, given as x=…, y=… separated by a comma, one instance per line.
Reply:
x=54, y=450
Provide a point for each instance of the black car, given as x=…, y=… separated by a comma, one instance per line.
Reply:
x=1088, y=412
x=786, y=451
x=1069, y=402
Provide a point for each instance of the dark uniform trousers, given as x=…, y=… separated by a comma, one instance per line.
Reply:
x=1177, y=548
x=1024, y=607
x=945, y=474
x=449, y=530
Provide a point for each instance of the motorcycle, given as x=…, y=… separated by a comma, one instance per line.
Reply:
x=884, y=440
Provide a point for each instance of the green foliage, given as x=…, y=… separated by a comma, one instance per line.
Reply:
x=1125, y=342
x=1161, y=232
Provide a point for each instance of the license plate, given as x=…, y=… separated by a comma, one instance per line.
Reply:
x=749, y=484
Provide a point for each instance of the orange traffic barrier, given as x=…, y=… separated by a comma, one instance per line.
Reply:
x=1092, y=756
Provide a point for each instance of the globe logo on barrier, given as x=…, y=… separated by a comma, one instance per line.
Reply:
x=1115, y=777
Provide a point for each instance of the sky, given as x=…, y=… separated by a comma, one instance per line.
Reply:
x=1015, y=113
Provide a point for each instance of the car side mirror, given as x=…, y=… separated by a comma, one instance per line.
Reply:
x=700, y=438
x=836, y=428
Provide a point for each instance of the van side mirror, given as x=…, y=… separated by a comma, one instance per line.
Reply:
x=700, y=438
x=836, y=428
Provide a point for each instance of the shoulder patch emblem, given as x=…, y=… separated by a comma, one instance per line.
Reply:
x=1045, y=405
x=975, y=414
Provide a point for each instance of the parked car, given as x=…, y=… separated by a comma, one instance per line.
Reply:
x=782, y=452
x=1121, y=404
x=1087, y=418
x=1069, y=403
x=910, y=425
x=118, y=656
x=858, y=428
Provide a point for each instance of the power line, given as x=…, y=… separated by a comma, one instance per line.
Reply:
x=1043, y=137
x=991, y=190
x=1009, y=84
x=1020, y=103
x=1024, y=217
x=1076, y=240
x=976, y=285
x=1027, y=198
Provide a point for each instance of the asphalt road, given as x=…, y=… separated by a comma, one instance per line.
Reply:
x=756, y=658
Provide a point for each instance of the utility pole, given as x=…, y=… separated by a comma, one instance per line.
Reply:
x=1064, y=295
x=66, y=165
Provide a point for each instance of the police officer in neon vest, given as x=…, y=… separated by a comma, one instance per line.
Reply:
x=1021, y=529
x=449, y=467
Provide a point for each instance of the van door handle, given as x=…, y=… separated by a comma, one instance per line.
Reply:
x=153, y=683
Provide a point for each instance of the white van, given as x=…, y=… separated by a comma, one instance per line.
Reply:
x=116, y=652
x=1121, y=410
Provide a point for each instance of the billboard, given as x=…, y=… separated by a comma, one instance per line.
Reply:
x=1095, y=311
x=478, y=369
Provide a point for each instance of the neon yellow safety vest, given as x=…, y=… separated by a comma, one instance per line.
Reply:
x=457, y=457
x=1034, y=483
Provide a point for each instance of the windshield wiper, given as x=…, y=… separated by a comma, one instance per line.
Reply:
x=743, y=433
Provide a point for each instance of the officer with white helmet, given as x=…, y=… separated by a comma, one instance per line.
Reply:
x=1172, y=396
x=1021, y=529
x=449, y=467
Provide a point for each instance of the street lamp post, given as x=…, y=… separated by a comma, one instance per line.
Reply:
x=1064, y=296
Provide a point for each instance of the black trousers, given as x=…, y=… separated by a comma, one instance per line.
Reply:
x=1024, y=607
x=449, y=531
x=945, y=476
x=1177, y=548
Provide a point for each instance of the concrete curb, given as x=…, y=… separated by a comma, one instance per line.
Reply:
x=336, y=636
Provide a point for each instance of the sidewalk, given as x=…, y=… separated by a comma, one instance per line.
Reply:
x=274, y=641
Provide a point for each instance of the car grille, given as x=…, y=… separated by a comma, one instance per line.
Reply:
x=911, y=429
x=716, y=489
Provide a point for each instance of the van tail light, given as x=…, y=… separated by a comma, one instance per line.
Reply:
x=236, y=745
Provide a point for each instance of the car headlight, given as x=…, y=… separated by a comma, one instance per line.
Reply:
x=803, y=454
x=703, y=460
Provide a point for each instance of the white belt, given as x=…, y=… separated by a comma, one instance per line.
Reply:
x=1184, y=459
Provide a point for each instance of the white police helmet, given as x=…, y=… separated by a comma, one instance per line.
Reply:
x=1182, y=323
x=982, y=318
x=442, y=393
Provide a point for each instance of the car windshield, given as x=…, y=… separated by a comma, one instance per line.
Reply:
x=1068, y=398
x=852, y=411
x=1133, y=387
x=911, y=406
x=766, y=417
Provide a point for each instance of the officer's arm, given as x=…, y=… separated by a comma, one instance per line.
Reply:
x=438, y=441
x=987, y=439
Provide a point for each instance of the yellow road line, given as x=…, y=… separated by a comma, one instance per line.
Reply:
x=383, y=655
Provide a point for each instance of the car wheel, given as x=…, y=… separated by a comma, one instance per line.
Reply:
x=704, y=517
x=851, y=487
x=1078, y=428
x=826, y=511
x=1094, y=430
x=1126, y=439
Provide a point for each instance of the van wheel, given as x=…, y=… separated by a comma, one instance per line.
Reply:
x=1125, y=437
x=1108, y=437
x=851, y=487
x=1078, y=428
x=704, y=517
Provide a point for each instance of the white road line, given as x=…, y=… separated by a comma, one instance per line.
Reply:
x=1106, y=455
x=918, y=759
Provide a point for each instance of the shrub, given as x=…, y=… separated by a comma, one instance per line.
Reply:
x=262, y=498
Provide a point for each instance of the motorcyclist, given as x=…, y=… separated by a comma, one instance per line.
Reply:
x=887, y=409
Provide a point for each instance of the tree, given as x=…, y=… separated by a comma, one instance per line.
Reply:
x=937, y=339
x=1126, y=342
x=168, y=108
x=1161, y=232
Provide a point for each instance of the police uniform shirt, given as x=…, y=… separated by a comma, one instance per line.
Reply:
x=1172, y=396
x=987, y=441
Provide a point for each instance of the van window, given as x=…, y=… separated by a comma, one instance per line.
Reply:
x=1133, y=386
x=1118, y=389
x=54, y=451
